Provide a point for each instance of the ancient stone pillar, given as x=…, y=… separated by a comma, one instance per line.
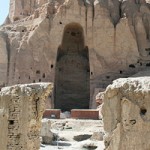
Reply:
x=21, y=111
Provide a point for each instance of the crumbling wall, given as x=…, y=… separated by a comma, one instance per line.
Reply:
x=126, y=114
x=21, y=111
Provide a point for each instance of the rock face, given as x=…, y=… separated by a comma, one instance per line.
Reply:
x=3, y=60
x=21, y=111
x=80, y=45
x=126, y=114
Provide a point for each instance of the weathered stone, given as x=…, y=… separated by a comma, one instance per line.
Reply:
x=3, y=60
x=46, y=134
x=97, y=136
x=81, y=46
x=126, y=114
x=21, y=111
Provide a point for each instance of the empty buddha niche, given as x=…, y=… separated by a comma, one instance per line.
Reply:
x=72, y=74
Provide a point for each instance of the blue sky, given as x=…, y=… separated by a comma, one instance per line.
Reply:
x=4, y=9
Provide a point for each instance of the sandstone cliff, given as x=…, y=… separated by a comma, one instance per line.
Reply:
x=115, y=39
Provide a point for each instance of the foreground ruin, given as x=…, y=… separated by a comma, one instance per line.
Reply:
x=126, y=114
x=21, y=111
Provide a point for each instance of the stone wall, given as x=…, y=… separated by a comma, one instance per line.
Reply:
x=126, y=114
x=21, y=111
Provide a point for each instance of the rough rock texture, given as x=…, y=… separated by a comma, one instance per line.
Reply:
x=3, y=60
x=46, y=134
x=115, y=43
x=97, y=136
x=21, y=111
x=126, y=114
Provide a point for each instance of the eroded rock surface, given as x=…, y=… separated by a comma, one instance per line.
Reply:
x=46, y=134
x=114, y=42
x=21, y=111
x=126, y=114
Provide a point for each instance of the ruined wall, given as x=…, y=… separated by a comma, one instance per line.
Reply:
x=21, y=111
x=126, y=112
x=116, y=34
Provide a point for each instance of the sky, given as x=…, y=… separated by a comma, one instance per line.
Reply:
x=4, y=9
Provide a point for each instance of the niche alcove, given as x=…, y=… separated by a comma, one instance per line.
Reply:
x=72, y=72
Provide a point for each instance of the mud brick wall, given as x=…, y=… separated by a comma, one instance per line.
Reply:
x=21, y=111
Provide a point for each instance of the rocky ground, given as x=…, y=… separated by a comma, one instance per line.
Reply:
x=71, y=134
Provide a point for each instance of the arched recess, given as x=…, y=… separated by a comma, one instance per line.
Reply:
x=72, y=72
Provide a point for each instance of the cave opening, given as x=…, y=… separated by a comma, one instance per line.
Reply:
x=72, y=80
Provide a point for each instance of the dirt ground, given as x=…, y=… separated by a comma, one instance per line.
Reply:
x=75, y=134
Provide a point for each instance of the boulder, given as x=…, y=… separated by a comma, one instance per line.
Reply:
x=126, y=114
x=98, y=136
x=46, y=134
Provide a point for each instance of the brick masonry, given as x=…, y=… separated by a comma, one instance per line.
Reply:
x=85, y=114
x=21, y=111
x=52, y=113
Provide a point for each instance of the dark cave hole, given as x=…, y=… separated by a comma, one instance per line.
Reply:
x=132, y=66
x=143, y=111
x=148, y=65
x=11, y=122
x=52, y=65
x=38, y=72
x=147, y=49
x=107, y=77
x=43, y=75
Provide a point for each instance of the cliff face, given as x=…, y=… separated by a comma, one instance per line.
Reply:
x=115, y=38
